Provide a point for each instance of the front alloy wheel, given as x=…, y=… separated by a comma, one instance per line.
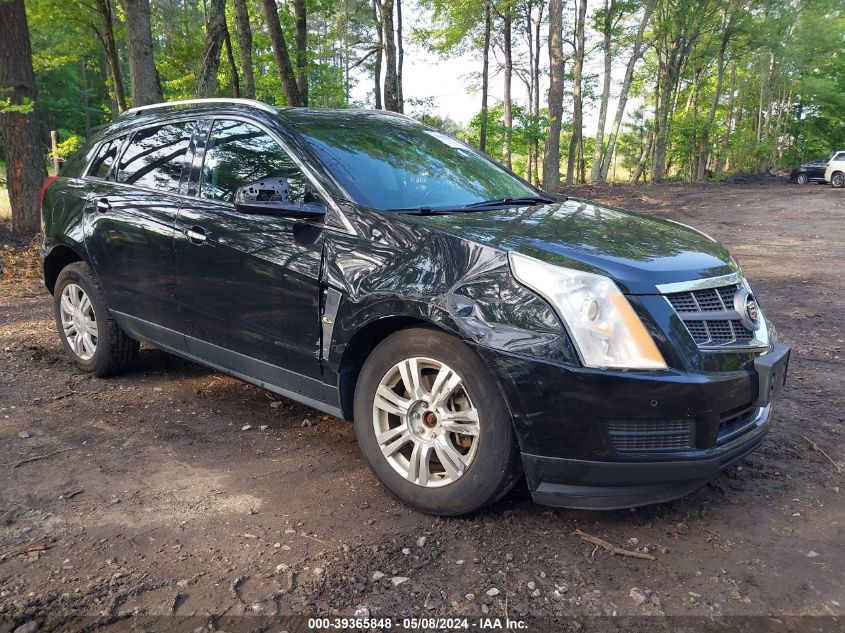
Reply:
x=432, y=424
x=802, y=179
x=425, y=423
x=838, y=180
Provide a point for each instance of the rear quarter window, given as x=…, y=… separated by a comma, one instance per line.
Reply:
x=105, y=158
x=76, y=162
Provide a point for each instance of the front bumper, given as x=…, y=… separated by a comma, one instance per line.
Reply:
x=596, y=485
x=682, y=429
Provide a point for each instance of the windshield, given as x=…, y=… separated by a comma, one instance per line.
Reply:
x=390, y=163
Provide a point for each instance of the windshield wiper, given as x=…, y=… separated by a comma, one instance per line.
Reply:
x=503, y=202
x=476, y=206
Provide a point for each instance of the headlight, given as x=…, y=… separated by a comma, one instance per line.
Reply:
x=603, y=325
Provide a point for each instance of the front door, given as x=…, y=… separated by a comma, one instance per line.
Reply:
x=248, y=284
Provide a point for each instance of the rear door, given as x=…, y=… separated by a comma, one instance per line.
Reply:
x=130, y=218
x=248, y=284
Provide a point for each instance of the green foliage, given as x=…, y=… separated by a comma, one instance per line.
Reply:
x=788, y=103
x=68, y=147
x=7, y=107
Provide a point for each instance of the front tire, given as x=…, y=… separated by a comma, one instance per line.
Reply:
x=802, y=179
x=838, y=180
x=432, y=425
x=91, y=337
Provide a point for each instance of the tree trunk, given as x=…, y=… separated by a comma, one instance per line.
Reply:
x=609, y=7
x=529, y=79
x=726, y=135
x=400, y=56
x=678, y=31
x=760, y=103
x=785, y=108
x=83, y=88
x=536, y=81
x=485, y=76
x=636, y=53
x=143, y=76
x=391, y=96
x=345, y=51
x=665, y=82
x=577, y=88
x=243, y=33
x=301, y=43
x=379, y=53
x=280, y=52
x=557, y=67
x=215, y=33
x=507, y=23
x=104, y=8
x=704, y=146
x=233, y=67
x=643, y=162
x=26, y=170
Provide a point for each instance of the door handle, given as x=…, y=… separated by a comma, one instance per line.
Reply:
x=103, y=205
x=196, y=235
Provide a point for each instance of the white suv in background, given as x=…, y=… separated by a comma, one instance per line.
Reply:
x=835, y=172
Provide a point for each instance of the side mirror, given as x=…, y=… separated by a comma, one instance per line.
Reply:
x=271, y=196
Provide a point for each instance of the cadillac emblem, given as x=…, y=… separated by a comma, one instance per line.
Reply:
x=749, y=312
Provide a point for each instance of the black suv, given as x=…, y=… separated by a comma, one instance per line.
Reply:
x=812, y=171
x=474, y=327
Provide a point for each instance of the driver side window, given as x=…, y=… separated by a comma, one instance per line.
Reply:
x=239, y=154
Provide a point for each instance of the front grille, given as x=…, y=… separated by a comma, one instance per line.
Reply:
x=658, y=435
x=710, y=317
x=736, y=422
x=719, y=332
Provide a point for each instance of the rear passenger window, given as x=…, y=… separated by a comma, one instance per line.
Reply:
x=154, y=157
x=105, y=158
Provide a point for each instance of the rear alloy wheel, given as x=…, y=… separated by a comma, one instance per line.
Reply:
x=89, y=333
x=79, y=323
x=802, y=179
x=838, y=180
x=431, y=423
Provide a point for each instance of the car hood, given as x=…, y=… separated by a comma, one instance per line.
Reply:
x=638, y=252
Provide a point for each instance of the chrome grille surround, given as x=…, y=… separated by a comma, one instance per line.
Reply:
x=706, y=308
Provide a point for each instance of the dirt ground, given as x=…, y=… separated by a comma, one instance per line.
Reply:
x=175, y=490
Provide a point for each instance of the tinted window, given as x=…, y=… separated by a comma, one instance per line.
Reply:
x=839, y=156
x=387, y=162
x=154, y=157
x=105, y=158
x=238, y=154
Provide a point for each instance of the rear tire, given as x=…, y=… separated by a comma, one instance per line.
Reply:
x=445, y=445
x=91, y=337
x=838, y=180
x=802, y=179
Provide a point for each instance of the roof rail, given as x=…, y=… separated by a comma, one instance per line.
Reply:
x=153, y=107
